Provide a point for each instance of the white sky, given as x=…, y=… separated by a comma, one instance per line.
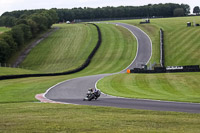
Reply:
x=10, y=5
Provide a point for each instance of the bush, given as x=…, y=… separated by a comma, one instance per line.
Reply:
x=4, y=51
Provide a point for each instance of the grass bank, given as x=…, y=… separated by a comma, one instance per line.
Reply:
x=37, y=117
x=63, y=50
x=182, y=43
x=183, y=87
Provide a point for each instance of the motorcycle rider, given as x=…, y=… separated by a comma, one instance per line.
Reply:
x=96, y=92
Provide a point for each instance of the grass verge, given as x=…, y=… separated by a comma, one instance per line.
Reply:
x=11, y=71
x=183, y=87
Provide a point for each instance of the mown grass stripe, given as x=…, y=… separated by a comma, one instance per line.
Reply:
x=110, y=49
x=116, y=48
x=177, y=47
x=186, y=56
x=132, y=81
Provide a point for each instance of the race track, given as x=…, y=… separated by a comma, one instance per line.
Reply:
x=73, y=91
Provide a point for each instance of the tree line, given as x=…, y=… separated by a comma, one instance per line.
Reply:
x=151, y=10
x=24, y=28
x=155, y=10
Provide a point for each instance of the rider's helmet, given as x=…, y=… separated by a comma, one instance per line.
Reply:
x=90, y=89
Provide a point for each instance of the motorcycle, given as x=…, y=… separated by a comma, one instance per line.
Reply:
x=90, y=95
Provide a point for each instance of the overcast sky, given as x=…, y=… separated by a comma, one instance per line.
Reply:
x=10, y=5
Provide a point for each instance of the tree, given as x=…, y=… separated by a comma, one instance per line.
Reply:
x=196, y=10
x=18, y=35
x=179, y=12
x=4, y=51
x=25, y=25
x=10, y=21
x=8, y=38
x=27, y=31
x=41, y=21
x=186, y=8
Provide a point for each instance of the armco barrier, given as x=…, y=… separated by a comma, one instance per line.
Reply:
x=84, y=65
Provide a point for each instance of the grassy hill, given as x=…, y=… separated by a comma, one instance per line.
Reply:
x=181, y=42
x=64, y=50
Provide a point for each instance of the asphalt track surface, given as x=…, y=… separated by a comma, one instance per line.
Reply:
x=73, y=91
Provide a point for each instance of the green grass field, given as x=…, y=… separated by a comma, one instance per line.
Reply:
x=182, y=87
x=20, y=113
x=37, y=117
